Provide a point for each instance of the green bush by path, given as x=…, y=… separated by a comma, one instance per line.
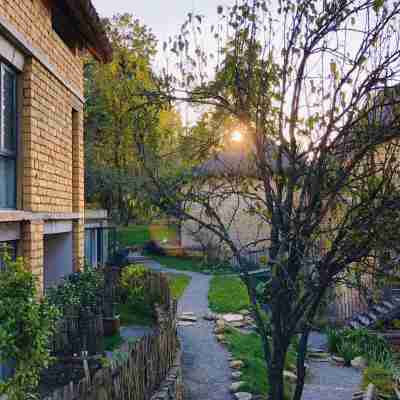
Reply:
x=227, y=294
x=178, y=283
x=381, y=378
x=248, y=348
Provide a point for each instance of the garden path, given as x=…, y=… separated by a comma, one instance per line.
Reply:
x=205, y=363
x=328, y=381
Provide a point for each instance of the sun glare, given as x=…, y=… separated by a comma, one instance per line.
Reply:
x=237, y=136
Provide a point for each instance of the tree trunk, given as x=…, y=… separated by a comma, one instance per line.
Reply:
x=275, y=372
x=301, y=370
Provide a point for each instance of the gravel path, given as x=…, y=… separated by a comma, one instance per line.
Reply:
x=205, y=364
x=328, y=381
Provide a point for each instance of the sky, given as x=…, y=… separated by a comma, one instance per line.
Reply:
x=163, y=16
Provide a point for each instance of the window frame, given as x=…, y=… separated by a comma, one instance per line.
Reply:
x=7, y=154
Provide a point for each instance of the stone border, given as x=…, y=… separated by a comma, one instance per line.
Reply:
x=172, y=387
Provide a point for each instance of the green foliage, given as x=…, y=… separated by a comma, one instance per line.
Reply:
x=249, y=349
x=334, y=338
x=137, y=306
x=82, y=289
x=360, y=342
x=177, y=284
x=227, y=294
x=381, y=377
x=132, y=283
x=113, y=342
x=27, y=324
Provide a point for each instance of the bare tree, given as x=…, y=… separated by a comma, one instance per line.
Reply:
x=313, y=88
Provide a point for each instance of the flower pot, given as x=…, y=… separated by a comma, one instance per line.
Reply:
x=111, y=325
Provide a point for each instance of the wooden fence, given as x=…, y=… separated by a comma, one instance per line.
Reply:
x=135, y=378
x=349, y=302
x=142, y=366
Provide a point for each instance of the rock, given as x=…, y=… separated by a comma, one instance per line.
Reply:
x=220, y=323
x=238, y=324
x=338, y=360
x=210, y=317
x=220, y=338
x=243, y=396
x=235, y=387
x=359, y=362
x=236, y=364
x=219, y=330
x=245, y=312
x=185, y=323
x=188, y=316
x=290, y=376
x=233, y=317
x=236, y=375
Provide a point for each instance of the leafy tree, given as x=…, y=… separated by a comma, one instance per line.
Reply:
x=27, y=324
x=313, y=86
x=116, y=112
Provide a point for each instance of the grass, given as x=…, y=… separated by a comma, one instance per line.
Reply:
x=135, y=315
x=227, y=294
x=178, y=283
x=138, y=235
x=112, y=343
x=195, y=264
x=248, y=348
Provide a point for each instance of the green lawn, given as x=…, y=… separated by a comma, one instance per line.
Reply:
x=138, y=235
x=227, y=294
x=180, y=263
x=178, y=283
x=248, y=348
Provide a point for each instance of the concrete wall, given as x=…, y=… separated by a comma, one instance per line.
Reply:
x=57, y=258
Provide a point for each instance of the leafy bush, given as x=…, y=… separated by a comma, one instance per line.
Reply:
x=334, y=338
x=132, y=282
x=27, y=324
x=82, y=289
x=348, y=351
x=361, y=342
x=381, y=377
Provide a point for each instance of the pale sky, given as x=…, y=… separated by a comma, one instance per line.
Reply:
x=163, y=16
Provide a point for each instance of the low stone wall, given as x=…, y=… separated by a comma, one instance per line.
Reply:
x=172, y=387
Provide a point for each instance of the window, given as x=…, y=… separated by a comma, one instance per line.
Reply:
x=96, y=246
x=8, y=137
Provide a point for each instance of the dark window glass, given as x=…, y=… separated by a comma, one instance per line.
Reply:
x=8, y=137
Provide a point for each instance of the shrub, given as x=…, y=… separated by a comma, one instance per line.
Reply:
x=27, y=324
x=132, y=282
x=381, y=378
x=82, y=289
x=334, y=338
x=348, y=351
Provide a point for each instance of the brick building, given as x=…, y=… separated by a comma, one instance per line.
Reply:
x=41, y=130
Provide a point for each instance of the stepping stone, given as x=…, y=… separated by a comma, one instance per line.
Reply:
x=243, y=396
x=363, y=320
x=210, y=317
x=355, y=325
x=235, y=387
x=233, y=317
x=245, y=312
x=236, y=375
x=338, y=360
x=290, y=376
x=239, y=324
x=188, y=317
x=380, y=309
x=236, y=364
x=185, y=323
x=220, y=338
x=372, y=316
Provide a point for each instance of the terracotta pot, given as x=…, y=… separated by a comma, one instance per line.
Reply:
x=111, y=325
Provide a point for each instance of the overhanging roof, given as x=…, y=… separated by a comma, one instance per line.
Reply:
x=90, y=27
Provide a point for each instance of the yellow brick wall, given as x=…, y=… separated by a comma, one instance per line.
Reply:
x=32, y=249
x=32, y=19
x=47, y=144
x=78, y=240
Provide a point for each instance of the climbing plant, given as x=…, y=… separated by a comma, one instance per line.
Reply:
x=27, y=323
